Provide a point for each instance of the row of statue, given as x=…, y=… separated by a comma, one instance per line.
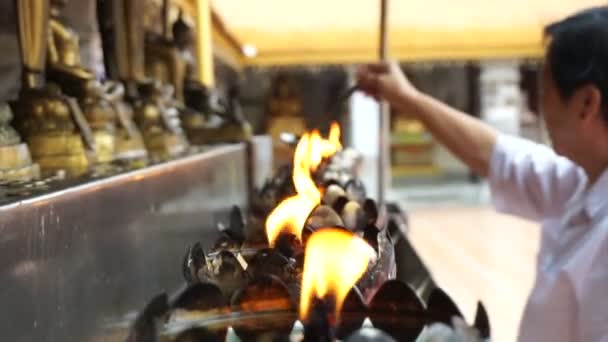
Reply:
x=148, y=109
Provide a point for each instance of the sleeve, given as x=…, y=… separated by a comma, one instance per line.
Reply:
x=529, y=180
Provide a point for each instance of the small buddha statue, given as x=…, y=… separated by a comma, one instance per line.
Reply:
x=63, y=48
x=196, y=97
x=226, y=124
x=130, y=146
x=285, y=100
x=183, y=38
x=285, y=115
x=236, y=126
x=218, y=123
x=142, y=97
x=65, y=68
x=107, y=124
x=101, y=118
x=165, y=63
x=55, y=139
x=159, y=121
x=44, y=116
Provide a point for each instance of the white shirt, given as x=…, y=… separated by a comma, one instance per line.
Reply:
x=569, y=301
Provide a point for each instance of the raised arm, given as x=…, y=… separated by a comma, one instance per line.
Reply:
x=526, y=179
x=466, y=137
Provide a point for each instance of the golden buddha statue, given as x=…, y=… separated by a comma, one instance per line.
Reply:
x=55, y=133
x=194, y=98
x=123, y=43
x=117, y=139
x=63, y=47
x=205, y=120
x=101, y=118
x=163, y=61
x=164, y=64
x=55, y=139
x=285, y=100
x=65, y=68
x=183, y=40
x=285, y=115
x=130, y=145
x=159, y=121
x=226, y=124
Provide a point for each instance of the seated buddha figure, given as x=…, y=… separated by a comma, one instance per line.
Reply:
x=285, y=116
x=56, y=141
x=43, y=115
x=65, y=68
x=158, y=121
x=206, y=118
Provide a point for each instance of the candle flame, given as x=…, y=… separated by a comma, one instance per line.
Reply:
x=334, y=261
x=334, y=136
x=290, y=215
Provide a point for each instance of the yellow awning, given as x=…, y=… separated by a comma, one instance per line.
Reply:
x=346, y=31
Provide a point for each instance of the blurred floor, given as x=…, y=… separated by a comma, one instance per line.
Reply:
x=442, y=193
x=473, y=252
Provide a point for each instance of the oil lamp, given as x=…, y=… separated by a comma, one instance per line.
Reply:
x=334, y=262
x=312, y=282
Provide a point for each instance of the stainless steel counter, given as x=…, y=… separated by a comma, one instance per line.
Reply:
x=74, y=259
x=261, y=160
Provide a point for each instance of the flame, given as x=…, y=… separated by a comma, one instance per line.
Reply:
x=318, y=149
x=305, y=160
x=334, y=261
x=291, y=213
x=334, y=136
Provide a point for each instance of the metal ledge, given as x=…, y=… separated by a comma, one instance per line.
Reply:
x=73, y=259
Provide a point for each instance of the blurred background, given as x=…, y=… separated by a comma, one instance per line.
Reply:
x=245, y=71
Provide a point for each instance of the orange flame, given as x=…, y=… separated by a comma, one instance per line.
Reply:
x=318, y=149
x=334, y=261
x=291, y=214
x=334, y=136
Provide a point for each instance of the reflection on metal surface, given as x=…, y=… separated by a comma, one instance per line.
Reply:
x=260, y=162
x=73, y=259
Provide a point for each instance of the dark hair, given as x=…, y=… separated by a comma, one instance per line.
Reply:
x=578, y=52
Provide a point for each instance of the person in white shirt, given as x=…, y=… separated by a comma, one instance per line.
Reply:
x=565, y=188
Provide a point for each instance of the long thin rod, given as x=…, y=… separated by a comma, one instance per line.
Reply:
x=383, y=47
x=384, y=122
x=165, y=19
